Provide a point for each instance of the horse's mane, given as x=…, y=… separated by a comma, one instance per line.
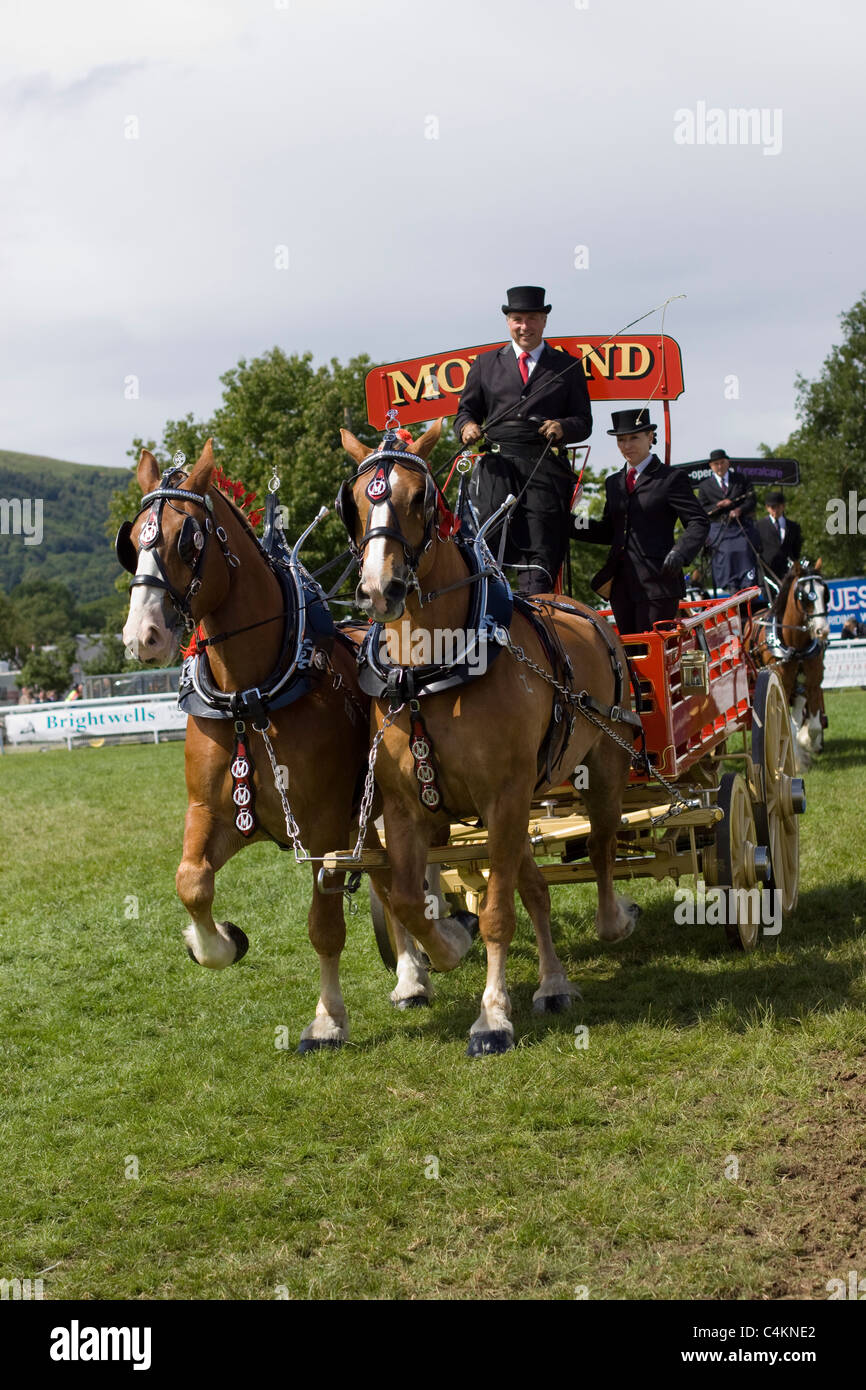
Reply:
x=242, y=517
x=782, y=596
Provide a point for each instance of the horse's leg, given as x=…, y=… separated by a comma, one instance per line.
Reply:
x=326, y=925
x=554, y=993
x=492, y=1030
x=814, y=703
x=607, y=770
x=444, y=939
x=413, y=988
x=207, y=845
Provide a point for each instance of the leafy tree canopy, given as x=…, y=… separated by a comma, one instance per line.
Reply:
x=830, y=444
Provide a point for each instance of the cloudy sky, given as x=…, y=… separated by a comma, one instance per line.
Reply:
x=416, y=159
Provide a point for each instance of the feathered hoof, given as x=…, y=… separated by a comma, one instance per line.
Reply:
x=241, y=940
x=416, y=1001
x=552, y=1004
x=484, y=1044
x=317, y=1044
x=468, y=921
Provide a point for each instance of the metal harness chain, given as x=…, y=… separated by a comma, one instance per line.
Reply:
x=340, y=684
x=370, y=781
x=302, y=856
x=639, y=760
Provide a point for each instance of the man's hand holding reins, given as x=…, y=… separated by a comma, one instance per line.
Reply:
x=551, y=429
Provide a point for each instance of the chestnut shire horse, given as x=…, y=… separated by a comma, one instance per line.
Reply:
x=792, y=635
x=485, y=734
x=194, y=553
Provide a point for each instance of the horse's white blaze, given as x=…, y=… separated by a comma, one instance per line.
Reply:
x=374, y=562
x=146, y=634
x=213, y=949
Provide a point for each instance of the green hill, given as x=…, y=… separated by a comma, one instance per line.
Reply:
x=74, y=546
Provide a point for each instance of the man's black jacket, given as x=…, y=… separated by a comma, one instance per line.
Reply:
x=776, y=553
x=494, y=386
x=740, y=491
x=639, y=527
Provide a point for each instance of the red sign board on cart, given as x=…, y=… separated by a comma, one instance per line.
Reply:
x=625, y=368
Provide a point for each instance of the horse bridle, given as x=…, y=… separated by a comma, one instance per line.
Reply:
x=191, y=543
x=378, y=490
x=810, y=594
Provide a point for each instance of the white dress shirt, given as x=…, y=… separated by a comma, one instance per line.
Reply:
x=638, y=467
x=533, y=355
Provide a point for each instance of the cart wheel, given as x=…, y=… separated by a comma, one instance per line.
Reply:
x=741, y=863
x=781, y=794
x=382, y=928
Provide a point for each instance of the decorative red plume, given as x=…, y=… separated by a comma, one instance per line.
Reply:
x=237, y=491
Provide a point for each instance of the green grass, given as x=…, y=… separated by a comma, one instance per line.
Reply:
x=558, y=1167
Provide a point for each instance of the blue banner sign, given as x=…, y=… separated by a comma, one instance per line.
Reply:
x=847, y=600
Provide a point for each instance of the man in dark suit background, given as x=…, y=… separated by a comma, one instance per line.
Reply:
x=643, y=574
x=526, y=397
x=781, y=539
x=728, y=498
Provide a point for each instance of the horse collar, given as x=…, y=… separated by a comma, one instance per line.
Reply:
x=308, y=628
x=492, y=607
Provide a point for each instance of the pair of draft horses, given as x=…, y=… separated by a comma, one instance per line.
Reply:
x=201, y=557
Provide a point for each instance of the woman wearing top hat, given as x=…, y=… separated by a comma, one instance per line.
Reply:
x=526, y=398
x=643, y=573
x=728, y=498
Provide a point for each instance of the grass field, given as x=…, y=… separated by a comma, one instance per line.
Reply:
x=706, y=1144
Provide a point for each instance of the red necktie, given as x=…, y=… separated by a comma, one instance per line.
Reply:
x=631, y=479
x=523, y=364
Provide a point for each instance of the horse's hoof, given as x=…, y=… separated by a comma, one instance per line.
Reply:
x=241, y=940
x=481, y=1044
x=468, y=921
x=552, y=1004
x=317, y=1044
x=417, y=1001
x=195, y=960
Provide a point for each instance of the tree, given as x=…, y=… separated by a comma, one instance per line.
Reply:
x=46, y=611
x=830, y=444
x=11, y=636
x=51, y=670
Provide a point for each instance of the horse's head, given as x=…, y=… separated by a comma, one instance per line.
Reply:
x=178, y=575
x=812, y=596
x=389, y=508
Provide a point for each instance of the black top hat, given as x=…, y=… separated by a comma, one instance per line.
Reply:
x=774, y=497
x=717, y=454
x=525, y=299
x=631, y=421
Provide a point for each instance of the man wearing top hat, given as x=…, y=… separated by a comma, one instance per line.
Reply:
x=728, y=498
x=781, y=539
x=643, y=573
x=526, y=399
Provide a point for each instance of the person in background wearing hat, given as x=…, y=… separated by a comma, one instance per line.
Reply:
x=528, y=399
x=781, y=539
x=643, y=573
x=728, y=498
